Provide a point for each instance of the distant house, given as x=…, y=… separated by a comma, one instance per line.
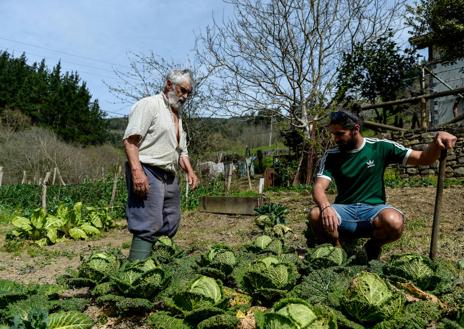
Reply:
x=443, y=76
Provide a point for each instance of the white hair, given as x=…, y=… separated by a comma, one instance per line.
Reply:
x=178, y=75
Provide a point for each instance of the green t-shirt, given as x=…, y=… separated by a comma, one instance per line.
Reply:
x=359, y=173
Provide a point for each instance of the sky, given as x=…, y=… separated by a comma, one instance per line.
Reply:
x=96, y=37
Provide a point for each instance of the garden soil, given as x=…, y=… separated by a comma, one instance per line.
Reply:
x=30, y=264
x=200, y=230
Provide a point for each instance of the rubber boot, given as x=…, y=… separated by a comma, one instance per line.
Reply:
x=140, y=249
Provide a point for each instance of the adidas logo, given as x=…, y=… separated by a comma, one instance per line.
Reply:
x=370, y=164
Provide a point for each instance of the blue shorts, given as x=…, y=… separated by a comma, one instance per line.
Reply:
x=356, y=219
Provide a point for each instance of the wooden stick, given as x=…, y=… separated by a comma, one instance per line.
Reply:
x=23, y=180
x=44, y=191
x=248, y=174
x=437, y=211
x=54, y=175
x=1, y=175
x=115, y=187
x=229, y=177
x=59, y=177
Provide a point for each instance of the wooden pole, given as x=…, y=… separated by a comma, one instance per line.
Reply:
x=248, y=173
x=437, y=211
x=414, y=99
x=59, y=177
x=44, y=191
x=229, y=177
x=23, y=180
x=115, y=187
x=55, y=170
x=1, y=175
x=371, y=124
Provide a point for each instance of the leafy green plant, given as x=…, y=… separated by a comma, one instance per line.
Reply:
x=325, y=255
x=140, y=279
x=271, y=214
x=437, y=276
x=266, y=244
x=295, y=313
x=269, y=279
x=218, y=262
x=71, y=319
x=76, y=223
x=164, y=320
x=203, y=298
x=166, y=250
x=369, y=299
x=220, y=321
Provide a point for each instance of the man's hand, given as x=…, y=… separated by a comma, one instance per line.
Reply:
x=445, y=140
x=329, y=219
x=140, y=183
x=193, y=180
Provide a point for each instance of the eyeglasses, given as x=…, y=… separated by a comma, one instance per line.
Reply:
x=185, y=91
x=343, y=116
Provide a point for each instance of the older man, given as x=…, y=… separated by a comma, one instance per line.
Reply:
x=357, y=166
x=155, y=145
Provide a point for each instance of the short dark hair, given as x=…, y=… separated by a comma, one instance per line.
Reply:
x=344, y=118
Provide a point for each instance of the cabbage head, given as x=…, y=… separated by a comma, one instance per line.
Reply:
x=269, y=279
x=203, y=295
x=416, y=268
x=369, y=299
x=207, y=287
x=99, y=266
x=221, y=258
x=325, y=255
x=295, y=313
x=165, y=250
x=266, y=244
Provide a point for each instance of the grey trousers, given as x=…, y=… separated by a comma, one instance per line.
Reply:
x=158, y=213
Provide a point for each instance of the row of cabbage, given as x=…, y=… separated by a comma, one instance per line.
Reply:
x=264, y=284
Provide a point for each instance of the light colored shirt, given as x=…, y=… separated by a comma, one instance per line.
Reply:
x=152, y=119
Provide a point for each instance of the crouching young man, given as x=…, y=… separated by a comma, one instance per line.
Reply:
x=357, y=166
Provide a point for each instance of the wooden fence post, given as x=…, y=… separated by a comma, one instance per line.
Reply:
x=59, y=176
x=55, y=170
x=1, y=175
x=115, y=187
x=23, y=180
x=229, y=176
x=44, y=191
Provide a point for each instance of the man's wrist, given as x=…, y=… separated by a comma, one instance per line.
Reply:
x=324, y=208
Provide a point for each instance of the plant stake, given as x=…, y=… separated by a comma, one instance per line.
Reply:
x=437, y=211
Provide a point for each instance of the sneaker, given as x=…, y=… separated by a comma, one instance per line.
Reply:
x=372, y=251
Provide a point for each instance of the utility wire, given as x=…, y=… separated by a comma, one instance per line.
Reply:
x=65, y=53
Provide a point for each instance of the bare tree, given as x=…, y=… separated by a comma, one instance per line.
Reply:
x=281, y=56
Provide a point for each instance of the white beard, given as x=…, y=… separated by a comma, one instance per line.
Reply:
x=174, y=102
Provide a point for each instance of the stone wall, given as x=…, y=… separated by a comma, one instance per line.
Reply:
x=419, y=141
